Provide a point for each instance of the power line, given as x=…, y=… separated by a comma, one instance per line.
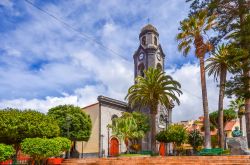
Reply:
x=85, y=36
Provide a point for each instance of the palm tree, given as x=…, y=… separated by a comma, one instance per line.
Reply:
x=218, y=66
x=238, y=104
x=156, y=88
x=192, y=32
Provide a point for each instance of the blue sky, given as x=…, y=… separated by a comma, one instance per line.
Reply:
x=44, y=63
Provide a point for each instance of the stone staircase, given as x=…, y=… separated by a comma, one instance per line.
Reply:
x=169, y=160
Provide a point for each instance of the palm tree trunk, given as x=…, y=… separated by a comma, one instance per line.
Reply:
x=241, y=123
x=207, y=142
x=223, y=75
x=153, y=133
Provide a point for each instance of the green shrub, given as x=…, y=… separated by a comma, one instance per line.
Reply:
x=42, y=148
x=63, y=142
x=6, y=151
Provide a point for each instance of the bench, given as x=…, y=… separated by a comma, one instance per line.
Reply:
x=211, y=152
x=145, y=152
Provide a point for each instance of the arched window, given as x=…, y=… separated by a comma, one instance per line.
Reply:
x=141, y=69
x=143, y=40
x=112, y=119
x=155, y=40
x=159, y=66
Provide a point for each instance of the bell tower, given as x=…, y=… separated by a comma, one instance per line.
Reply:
x=149, y=52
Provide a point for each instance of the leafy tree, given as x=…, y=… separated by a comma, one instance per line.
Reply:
x=229, y=114
x=217, y=66
x=195, y=139
x=41, y=148
x=238, y=105
x=149, y=91
x=128, y=127
x=175, y=133
x=73, y=122
x=16, y=125
x=6, y=152
x=142, y=121
x=192, y=31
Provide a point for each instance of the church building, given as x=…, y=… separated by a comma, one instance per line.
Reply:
x=102, y=143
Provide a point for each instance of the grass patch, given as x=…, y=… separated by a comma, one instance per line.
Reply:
x=130, y=155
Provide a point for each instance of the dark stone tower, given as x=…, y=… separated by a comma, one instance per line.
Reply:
x=150, y=54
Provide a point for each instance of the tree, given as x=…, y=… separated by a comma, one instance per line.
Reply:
x=233, y=27
x=195, y=139
x=6, y=152
x=149, y=91
x=16, y=125
x=73, y=122
x=229, y=114
x=42, y=148
x=130, y=126
x=238, y=105
x=192, y=31
x=218, y=66
x=175, y=133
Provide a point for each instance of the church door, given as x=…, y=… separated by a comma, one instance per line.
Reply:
x=114, y=147
x=162, y=149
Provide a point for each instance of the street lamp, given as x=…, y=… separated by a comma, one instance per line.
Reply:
x=108, y=138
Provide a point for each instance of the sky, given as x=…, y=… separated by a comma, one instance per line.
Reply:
x=80, y=49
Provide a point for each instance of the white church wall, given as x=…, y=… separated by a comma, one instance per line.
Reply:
x=106, y=114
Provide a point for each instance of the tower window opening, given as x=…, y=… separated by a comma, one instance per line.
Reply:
x=144, y=40
x=159, y=66
x=141, y=70
x=155, y=40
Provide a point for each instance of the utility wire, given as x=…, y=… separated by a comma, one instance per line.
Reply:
x=85, y=36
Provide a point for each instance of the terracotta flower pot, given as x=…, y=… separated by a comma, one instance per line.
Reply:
x=55, y=161
x=6, y=162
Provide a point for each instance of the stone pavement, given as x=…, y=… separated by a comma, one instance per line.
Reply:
x=169, y=160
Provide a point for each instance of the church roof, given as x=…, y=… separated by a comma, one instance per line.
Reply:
x=148, y=28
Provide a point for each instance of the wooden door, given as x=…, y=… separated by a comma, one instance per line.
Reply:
x=114, y=147
x=162, y=149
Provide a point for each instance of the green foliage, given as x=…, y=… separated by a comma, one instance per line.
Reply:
x=72, y=118
x=6, y=152
x=16, y=125
x=214, y=141
x=128, y=126
x=42, y=148
x=65, y=143
x=154, y=88
x=142, y=121
x=162, y=136
x=174, y=133
x=229, y=114
x=195, y=139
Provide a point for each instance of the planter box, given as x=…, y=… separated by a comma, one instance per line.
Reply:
x=55, y=161
x=6, y=162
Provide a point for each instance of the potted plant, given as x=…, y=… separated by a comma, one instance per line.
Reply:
x=64, y=144
x=40, y=149
x=6, y=152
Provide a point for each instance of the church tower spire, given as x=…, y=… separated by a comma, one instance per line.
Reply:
x=149, y=52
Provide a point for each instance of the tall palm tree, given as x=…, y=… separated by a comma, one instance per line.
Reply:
x=238, y=105
x=193, y=30
x=218, y=66
x=156, y=88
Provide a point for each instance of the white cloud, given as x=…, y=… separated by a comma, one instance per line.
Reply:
x=191, y=100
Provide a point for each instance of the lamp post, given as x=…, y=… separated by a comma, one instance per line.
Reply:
x=68, y=135
x=194, y=129
x=108, y=139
